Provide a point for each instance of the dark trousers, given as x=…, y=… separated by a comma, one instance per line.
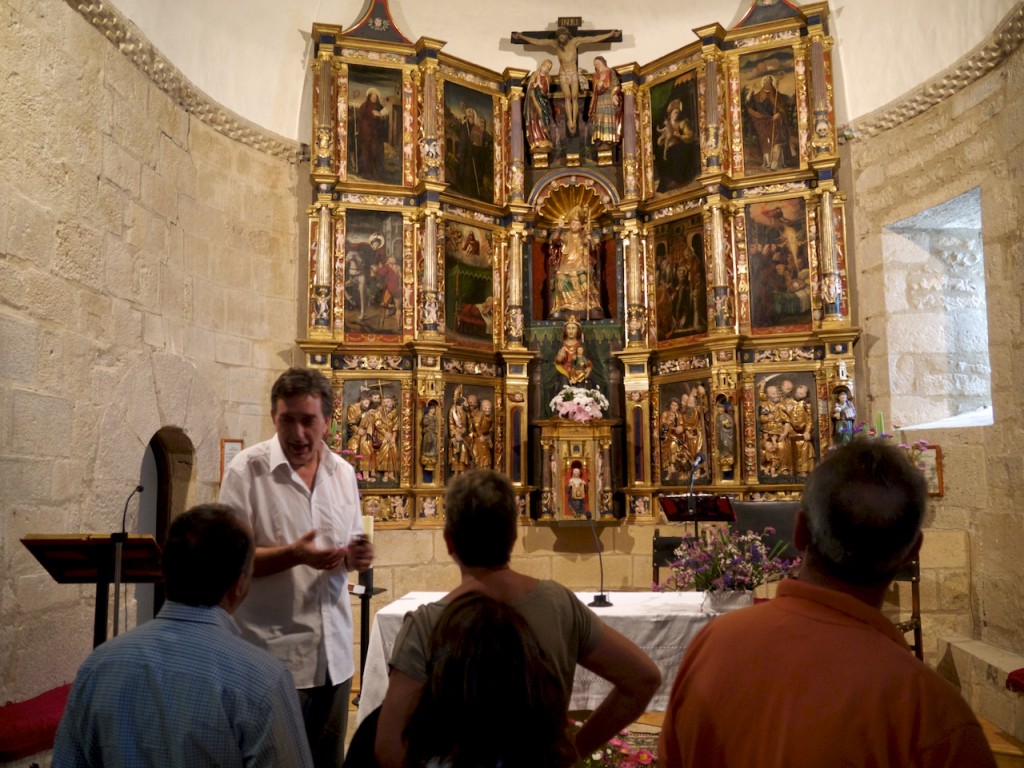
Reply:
x=325, y=713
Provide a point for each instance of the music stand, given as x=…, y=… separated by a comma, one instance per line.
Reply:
x=705, y=508
x=75, y=558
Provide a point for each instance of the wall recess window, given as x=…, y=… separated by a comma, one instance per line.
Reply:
x=937, y=321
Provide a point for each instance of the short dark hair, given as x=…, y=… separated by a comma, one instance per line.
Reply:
x=480, y=517
x=864, y=506
x=303, y=381
x=206, y=550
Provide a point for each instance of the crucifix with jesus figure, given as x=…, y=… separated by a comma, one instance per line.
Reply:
x=565, y=43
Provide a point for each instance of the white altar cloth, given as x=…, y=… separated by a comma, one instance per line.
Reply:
x=660, y=623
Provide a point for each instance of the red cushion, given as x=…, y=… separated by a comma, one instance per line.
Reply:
x=28, y=727
x=1015, y=680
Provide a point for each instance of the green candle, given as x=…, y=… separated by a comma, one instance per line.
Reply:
x=880, y=424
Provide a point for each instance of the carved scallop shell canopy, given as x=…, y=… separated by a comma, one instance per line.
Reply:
x=560, y=206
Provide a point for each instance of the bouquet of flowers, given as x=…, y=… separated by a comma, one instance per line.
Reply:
x=579, y=404
x=913, y=450
x=618, y=753
x=725, y=559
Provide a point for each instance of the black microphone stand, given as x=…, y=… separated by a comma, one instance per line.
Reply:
x=119, y=540
x=691, y=501
x=600, y=599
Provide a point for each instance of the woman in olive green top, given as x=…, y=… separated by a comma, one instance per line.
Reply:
x=480, y=529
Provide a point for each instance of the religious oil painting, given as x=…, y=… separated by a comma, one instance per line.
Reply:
x=469, y=283
x=375, y=124
x=373, y=275
x=680, y=279
x=780, y=279
x=769, y=112
x=675, y=133
x=683, y=432
x=469, y=427
x=469, y=142
x=787, y=435
x=367, y=431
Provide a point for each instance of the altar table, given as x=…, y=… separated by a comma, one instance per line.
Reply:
x=661, y=623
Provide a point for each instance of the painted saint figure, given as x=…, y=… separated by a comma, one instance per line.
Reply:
x=471, y=140
x=800, y=437
x=725, y=435
x=605, y=105
x=691, y=416
x=428, y=437
x=458, y=429
x=371, y=132
x=672, y=447
x=678, y=150
x=539, y=114
x=574, y=284
x=844, y=413
x=482, y=443
x=768, y=109
x=571, y=361
x=385, y=439
x=577, y=494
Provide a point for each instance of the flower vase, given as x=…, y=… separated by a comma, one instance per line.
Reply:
x=723, y=601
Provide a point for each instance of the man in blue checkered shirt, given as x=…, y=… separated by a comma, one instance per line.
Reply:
x=185, y=689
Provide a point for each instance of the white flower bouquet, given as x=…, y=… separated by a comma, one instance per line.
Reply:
x=579, y=404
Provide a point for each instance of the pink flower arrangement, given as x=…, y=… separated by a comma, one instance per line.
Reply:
x=619, y=753
x=913, y=450
x=579, y=404
x=724, y=559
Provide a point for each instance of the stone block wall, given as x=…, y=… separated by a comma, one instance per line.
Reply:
x=969, y=138
x=148, y=279
x=979, y=671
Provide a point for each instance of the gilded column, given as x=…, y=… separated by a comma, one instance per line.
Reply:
x=721, y=291
x=321, y=266
x=323, y=176
x=823, y=135
x=831, y=283
x=517, y=148
x=429, y=143
x=323, y=112
x=713, y=127
x=514, y=320
x=516, y=358
x=636, y=371
x=712, y=38
x=630, y=156
x=431, y=310
x=636, y=307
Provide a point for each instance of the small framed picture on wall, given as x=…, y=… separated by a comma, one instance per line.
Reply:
x=929, y=460
x=229, y=448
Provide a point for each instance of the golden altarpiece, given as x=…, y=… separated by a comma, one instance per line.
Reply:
x=611, y=283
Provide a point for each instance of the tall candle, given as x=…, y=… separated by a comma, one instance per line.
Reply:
x=880, y=423
x=368, y=526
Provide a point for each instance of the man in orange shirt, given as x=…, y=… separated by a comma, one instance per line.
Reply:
x=819, y=676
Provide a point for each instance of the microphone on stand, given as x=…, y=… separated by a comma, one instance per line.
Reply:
x=600, y=599
x=691, y=503
x=119, y=539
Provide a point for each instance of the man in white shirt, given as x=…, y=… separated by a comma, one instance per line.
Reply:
x=302, y=501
